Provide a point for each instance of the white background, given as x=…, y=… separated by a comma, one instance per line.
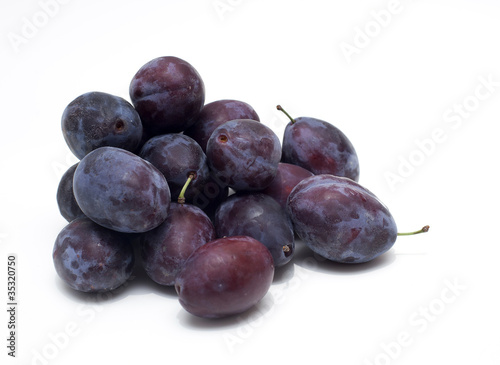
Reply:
x=398, y=90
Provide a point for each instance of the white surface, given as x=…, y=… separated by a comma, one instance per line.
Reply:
x=399, y=88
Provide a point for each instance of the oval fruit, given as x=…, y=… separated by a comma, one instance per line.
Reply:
x=244, y=154
x=341, y=220
x=121, y=191
x=259, y=216
x=165, y=248
x=91, y=258
x=225, y=277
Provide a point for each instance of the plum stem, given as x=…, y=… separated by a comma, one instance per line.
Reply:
x=181, y=199
x=423, y=230
x=287, y=250
x=284, y=111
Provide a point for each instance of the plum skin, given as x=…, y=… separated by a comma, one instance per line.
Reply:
x=340, y=219
x=225, y=277
x=165, y=249
x=244, y=154
x=259, y=216
x=91, y=258
x=168, y=93
x=68, y=207
x=176, y=156
x=319, y=147
x=286, y=179
x=215, y=114
x=120, y=191
x=97, y=119
x=210, y=196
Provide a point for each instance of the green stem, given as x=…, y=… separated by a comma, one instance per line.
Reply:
x=284, y=111
x=423, y=230
x=181, y=199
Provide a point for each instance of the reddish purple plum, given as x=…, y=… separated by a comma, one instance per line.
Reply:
x=225, y=277
x=319, y=147
x=340, y=219
x=244, y=154
x=168, y=93
x=286, y=179
x=165, y=249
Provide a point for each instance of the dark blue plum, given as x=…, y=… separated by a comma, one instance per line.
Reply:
x=225, y=277
x=91, y=258
x=340, y=219
x=97, y=119
x=209, y=196
x=121, y=191
x=319, y=147
x=177, y=157
x=215, y=114
x=259, y=216
x=168, y=93
x=244, y=154
x=68, y=207
x=165, y=249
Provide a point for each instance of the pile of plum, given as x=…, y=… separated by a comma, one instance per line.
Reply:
x=207, y=193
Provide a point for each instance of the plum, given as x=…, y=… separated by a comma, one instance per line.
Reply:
x=121, y=191
x=98, y=119
x=319, y=147
x=177, y=156
x=340, y=219
x=286, y=179
x=215, y=114
x=68, y=207
x=225, y=277
x=244, y=154
x=168, y=93
x=91, y=258
x=259, y=216
x=165, y=249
